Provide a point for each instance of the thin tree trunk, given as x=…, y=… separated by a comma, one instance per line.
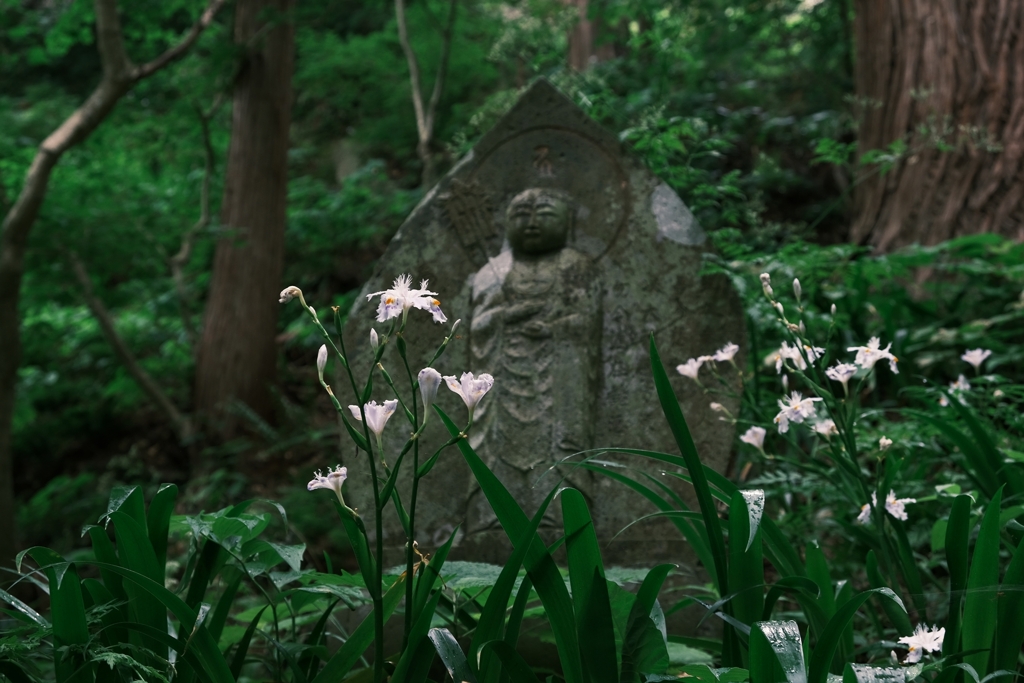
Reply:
x=119, y=75
x=946, y=79
x=237, y=357
x=584, y=51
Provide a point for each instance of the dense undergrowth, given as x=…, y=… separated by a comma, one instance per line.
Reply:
x=884, y=472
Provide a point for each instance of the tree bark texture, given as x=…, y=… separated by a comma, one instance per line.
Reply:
x=950, y=71
x=237, y=357
x=119, y=75
x=582, y=38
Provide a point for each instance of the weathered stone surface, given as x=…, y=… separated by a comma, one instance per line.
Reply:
x=562, y=325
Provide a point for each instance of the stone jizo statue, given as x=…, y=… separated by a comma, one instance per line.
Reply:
x=562, y=254
x=536, y=322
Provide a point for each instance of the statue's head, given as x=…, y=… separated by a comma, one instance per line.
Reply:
x=539, y=221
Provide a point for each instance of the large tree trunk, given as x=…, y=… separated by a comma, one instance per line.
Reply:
x=946, y=78
x=119, y=75
x=584, y=51
x=238, y=353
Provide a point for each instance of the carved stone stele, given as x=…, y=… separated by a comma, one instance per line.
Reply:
x=561, y=254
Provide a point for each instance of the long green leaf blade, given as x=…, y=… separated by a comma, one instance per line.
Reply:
x=957, y=539
x=451, y=654
x=681, y=432
x=776, y=653
x=158, y=521
x=981, y=603
x=545, y=575
x=594, y=626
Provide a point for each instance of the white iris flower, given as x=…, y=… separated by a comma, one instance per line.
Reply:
x=976, y=357
x=923, y=640
x=470, y=388
x=726, y=353
x=796, y=409
x=401, y=297
x=333, y=481
x=868, y=355
x=755, y=437
x=377, y=416
x=842, y=372
x=690, y=368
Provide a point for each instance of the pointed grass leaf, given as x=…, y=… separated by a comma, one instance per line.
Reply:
x=755, y=510
x=981, y=601
x=594, y=627
x=829, y=640
x=1010, y=633
x=518, y=611
x=908, y=567
x=539, y=564
x=242, y=649
x=681, y=432
x=451, y=655
x=127, y=499
x=17, y=604
x=136, y=554
x=705, y=674
x=776, y=653
x=158, y=521
x=746, y=565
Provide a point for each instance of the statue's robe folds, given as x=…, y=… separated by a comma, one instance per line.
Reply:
x=536, y=324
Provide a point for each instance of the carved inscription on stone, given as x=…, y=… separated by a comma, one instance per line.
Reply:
x=469, y=211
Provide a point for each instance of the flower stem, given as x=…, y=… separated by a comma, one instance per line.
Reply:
x=376, y=592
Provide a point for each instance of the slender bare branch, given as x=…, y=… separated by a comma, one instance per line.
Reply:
x=180, y=259
x=181, y=423
x=178, y=51
x=414, y=70
x=442, y=67
x=425, y=115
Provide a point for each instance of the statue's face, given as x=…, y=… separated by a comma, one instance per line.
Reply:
x=538, y=222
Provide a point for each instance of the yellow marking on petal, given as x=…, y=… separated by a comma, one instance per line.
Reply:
x=435, y=302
